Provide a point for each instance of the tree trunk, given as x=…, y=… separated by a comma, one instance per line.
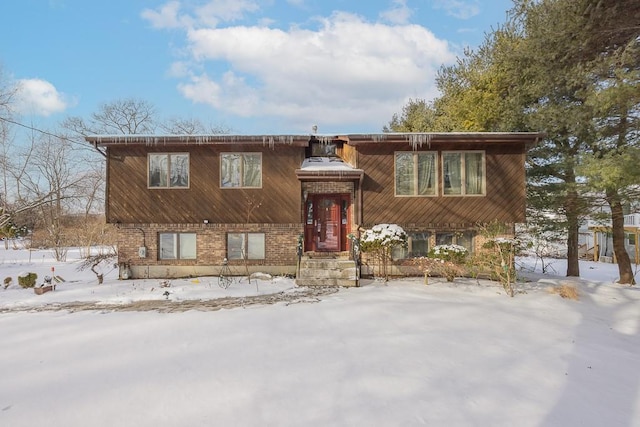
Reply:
x=573, y=224
x=617, y=226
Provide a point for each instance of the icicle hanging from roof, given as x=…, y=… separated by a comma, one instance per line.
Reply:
x=419, y=139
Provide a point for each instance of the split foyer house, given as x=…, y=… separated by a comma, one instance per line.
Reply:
x=185, y=204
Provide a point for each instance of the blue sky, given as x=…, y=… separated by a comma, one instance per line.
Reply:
x=255, y=66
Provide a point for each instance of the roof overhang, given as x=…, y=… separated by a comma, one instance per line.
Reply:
x=412, y=138
x=329, y=175
x=427, y=138
x=178, y=140
x=328, y=168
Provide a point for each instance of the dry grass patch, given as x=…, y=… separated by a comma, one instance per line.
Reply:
x=565, y=291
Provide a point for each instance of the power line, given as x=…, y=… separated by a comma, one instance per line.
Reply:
x=44, y=132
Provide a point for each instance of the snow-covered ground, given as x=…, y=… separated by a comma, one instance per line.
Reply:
x=396, y=354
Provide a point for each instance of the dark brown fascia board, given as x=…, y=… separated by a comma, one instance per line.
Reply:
x=426, y=138
x=412, y=138
x=177, y=140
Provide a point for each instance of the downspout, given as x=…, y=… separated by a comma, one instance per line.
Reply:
x=360, y=217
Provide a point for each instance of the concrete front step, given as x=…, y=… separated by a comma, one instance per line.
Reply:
x=327, y=282
x=327, y=272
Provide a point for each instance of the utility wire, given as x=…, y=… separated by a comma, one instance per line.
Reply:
x=44, y=132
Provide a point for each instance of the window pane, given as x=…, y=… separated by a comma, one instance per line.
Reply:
x=235, y=245
x=404, y=174
x=256, y=245
x=323, y=149
x=474, y=173
x=419, y=244
x=252, y=170
x=187, y=246
x=168, y=246
x=398, y=252
x=466, y=240
x=309, y=212
x=426, y=174
x=179, y=170
x=444, y=239
x=452, y=183
x=230, y=170
x=158, y=172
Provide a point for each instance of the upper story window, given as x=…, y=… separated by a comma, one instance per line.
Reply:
x=241, y=170
x=463, y=173
x=416, y=174
x=169, y=170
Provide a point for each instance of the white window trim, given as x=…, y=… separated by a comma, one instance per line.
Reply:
x=168, y=187
x=242, y=153
x=463, y=173
x=415, y=174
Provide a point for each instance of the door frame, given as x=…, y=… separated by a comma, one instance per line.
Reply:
x=312, y=216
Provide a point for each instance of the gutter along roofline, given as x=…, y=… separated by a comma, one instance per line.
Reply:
x=413, y=138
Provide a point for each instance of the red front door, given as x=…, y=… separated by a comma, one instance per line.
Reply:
x=326, y=222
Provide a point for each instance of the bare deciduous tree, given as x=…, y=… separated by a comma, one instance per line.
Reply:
x=122, y=116
x=190, y=126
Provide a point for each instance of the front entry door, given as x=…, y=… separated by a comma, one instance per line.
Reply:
x=326, y=222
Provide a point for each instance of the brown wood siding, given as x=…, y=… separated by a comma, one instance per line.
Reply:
x=130, y=201
x=504, y=200
x=349, y=154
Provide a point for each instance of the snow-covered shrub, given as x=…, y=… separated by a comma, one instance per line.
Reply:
x=27, y=280
x=379, y=241
x=385, y=235
x=452, y=253
x=439, y=267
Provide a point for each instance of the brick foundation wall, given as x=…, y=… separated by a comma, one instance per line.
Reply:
x=211, y=248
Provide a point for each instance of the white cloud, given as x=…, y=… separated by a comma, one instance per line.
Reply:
x=398, y=14
x=461, y=9
x=178, y=69
x=39, y=97
x=342, y=71
x=347, y=70
x=210, y=14
x=216, y=11
x=166, y=17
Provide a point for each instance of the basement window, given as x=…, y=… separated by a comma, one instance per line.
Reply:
x=464, y=239
x=249, y=245
x=177, y=245
x=417, y=246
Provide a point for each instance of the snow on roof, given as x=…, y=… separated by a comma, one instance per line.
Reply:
x=326, y=164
